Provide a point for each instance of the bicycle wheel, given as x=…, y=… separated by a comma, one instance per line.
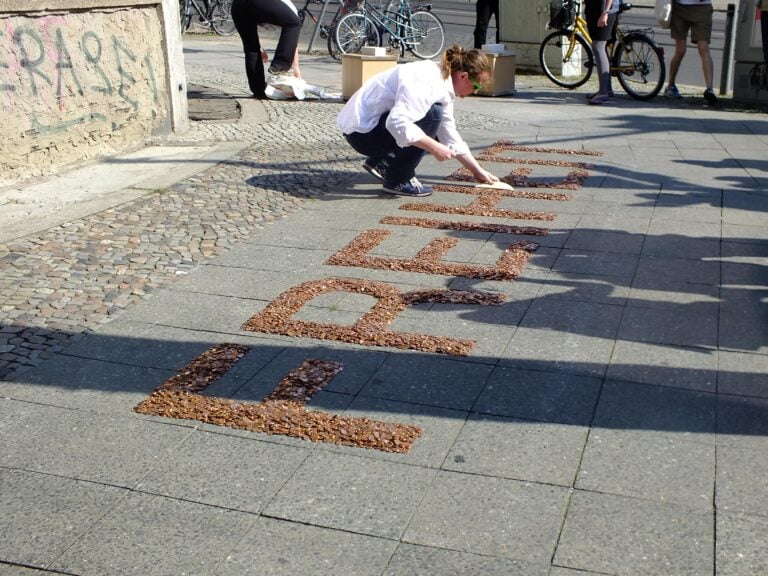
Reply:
x=185, y=14
x=354, y=31
x=639, y=66
x=566, y=64
x=221, y=18
x=425, y=36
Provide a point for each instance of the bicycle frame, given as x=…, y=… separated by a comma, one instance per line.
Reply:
x=397, y=25
x=580, y=27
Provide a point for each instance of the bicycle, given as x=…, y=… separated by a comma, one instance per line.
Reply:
x=566, y=54
x=415, y=29
x=214, y=14
x=326, y=30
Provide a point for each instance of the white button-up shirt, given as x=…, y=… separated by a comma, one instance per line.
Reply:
x=407, y=92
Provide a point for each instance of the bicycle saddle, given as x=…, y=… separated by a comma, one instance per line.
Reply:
x=624, y=6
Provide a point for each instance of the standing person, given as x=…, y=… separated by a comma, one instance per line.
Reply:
x=695, y=15
x=248, y=15
x=484, y=9
x=601, y=19
x=399, y=115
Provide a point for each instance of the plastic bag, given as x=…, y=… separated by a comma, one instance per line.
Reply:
x=290, y=87
x=664, y=13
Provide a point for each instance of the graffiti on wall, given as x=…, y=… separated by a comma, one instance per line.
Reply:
x=81, y=78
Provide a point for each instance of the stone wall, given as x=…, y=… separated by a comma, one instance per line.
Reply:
x=79, y=83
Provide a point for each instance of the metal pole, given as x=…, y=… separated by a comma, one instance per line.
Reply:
x=318, y=24
x=726, y=74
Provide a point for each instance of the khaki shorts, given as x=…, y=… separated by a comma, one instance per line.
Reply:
x=696, y=18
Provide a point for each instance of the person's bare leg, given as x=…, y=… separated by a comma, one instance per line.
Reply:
x=674, y=63
x=706, y=63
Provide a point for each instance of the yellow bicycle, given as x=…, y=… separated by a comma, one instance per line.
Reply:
x=567, y=59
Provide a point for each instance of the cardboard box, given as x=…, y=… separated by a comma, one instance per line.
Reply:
x=357, y=68
x=502, y=75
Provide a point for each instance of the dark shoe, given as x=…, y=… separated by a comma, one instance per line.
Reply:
x=593, y=94
x=600, y=99
x=672, y=92
x=410, y=188
x=374, y=168
x=709, y=96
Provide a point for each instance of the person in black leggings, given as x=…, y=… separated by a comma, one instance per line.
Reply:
x=601, y=18
x=247, y=15
x=483, y=12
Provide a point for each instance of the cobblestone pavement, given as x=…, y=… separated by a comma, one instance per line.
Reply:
x=56, y=286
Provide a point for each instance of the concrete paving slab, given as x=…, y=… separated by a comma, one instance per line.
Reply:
x=173, y=535
x=277, y=548
x=542, y=396
x=740, y=544
x=663, y=294
x=597, y=263
x=655, y=272
x=628, y=406
x=358, y=368
x=518, y=449
x=439, y=426
x=410, y=560
x=741, y=421
x=665, y=365
x=661, y=467
x=739, y=487
x=83, y=384
x=16, y=570
x=85, y=445
x=637, y=537
x=429, y=380
x=742, y=374
x=224, y=471
x=490, y=516
x=352, y=493
x=42, y=515
x=582, y=240
x=583, y=288
x=691, y=325
x=547, y=349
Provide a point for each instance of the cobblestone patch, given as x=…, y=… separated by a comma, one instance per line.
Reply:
x=58, y=285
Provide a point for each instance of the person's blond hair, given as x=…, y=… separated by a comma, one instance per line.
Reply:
x=459, y=59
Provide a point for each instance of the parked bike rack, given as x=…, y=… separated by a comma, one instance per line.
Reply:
x=319, y=22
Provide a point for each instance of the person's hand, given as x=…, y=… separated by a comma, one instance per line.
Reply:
x=442, y=152
x=485, y=177
x=296, y=72
x=602, y=22
x=264, y=56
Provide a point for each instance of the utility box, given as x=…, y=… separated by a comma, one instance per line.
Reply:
x=750, y=73
x=522, y=27
x=357, y=68
x=502, y=74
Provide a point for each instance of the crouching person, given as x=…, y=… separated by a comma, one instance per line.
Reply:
x=399, y=115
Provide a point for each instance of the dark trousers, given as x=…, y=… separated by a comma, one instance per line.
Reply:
x=484, y=10
x=764, y=32
x=247, y=15
x=379, y=144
